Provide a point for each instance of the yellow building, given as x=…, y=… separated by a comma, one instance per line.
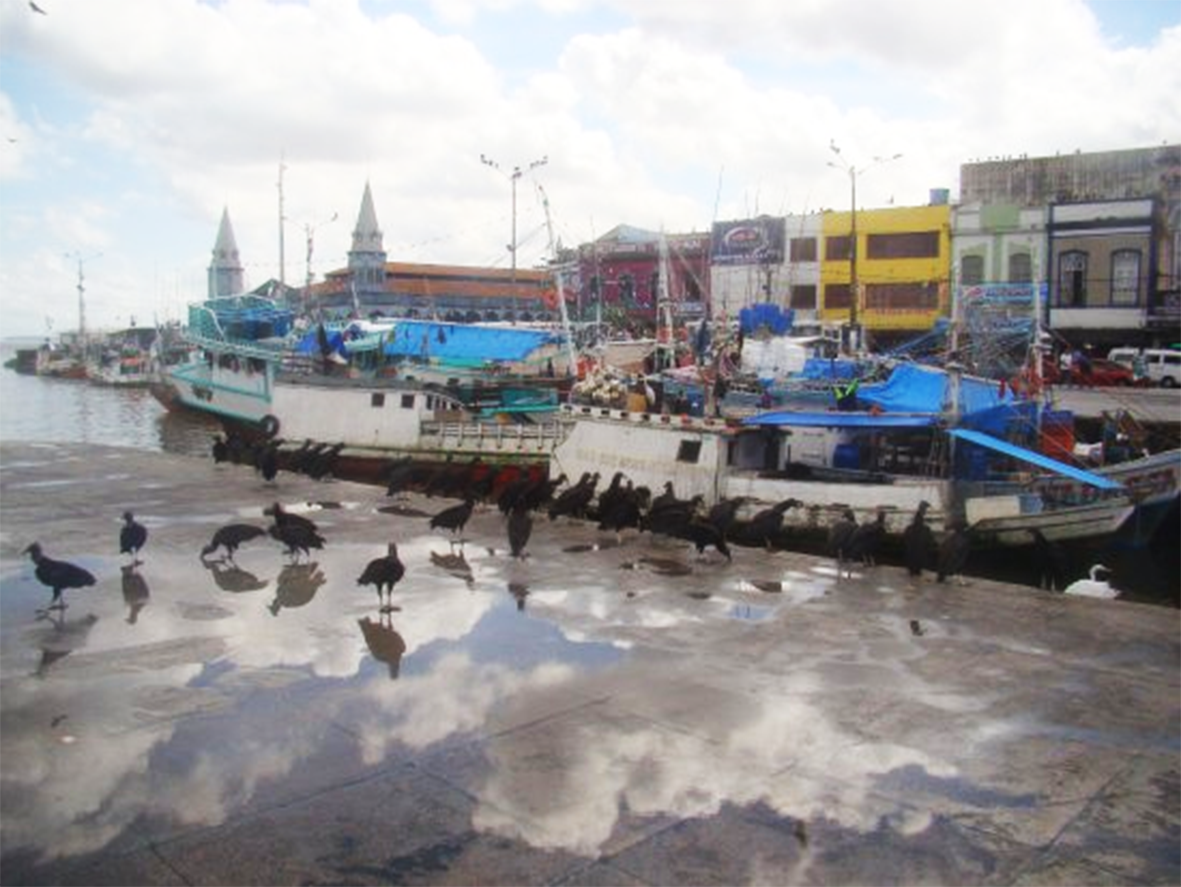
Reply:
x=902, y=267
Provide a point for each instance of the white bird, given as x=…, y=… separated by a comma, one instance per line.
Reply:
x=1093, y=587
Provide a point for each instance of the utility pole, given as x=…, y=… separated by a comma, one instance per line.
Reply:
x=854, y=341
x=512, y=247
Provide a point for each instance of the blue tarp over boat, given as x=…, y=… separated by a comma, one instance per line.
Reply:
x=454, y=343
x=919, y=389
x=465, y=343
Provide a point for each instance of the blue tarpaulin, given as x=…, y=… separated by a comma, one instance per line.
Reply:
x=919, y=389
x=465, y=343
x=777, y=320
x=840, y=420
x=830, y=368
x=1037, y=459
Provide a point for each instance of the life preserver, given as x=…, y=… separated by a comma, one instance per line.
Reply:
x=269, y=425
x=549, y=298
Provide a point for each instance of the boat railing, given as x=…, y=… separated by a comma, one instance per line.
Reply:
x=681, y=422
x=496, y=434
x=258, y=349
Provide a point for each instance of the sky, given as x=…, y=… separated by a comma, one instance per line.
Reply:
x=128, y=126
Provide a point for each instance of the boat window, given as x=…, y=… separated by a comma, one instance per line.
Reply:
x=689, y=451
x=377, y=399
x=407, y=401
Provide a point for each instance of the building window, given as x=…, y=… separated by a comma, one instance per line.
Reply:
x=377, y=399
x=902, y=296
x=837, y=248
x=407, y=401
x=836, y=296
x=803, y=297
x=803, y=249
x=904, y=245
x=1020, y=268
x=971, y=270
x=1125, y=277
x=1072, y=279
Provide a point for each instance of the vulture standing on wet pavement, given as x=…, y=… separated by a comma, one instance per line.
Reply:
x=953, y=552
x=384, y=573
x=919, y=541
x=520, y=526
x=839, y=535
x=297, y=538
x=58, y=575
x=867, y=539
x=230, y=537
x=454, y=518
x=132, y=536
x=285, y=518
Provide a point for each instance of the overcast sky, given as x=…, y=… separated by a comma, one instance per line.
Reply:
x=128, y=125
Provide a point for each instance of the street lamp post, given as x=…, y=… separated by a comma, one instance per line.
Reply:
x=309, y=230
x=854, y=289
x=512, y=247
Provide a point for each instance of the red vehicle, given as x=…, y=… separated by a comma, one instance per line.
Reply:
x=1095, y=373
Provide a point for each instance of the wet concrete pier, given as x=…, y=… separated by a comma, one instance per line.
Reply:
x=605, y=711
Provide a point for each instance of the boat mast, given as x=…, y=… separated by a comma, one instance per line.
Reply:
x=665, y=345
x=282, y=258
x=549, y=227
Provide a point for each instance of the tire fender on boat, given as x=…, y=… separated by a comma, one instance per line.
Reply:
x=269, y=425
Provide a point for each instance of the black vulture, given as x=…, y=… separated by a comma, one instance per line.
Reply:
x=667, y=497
x=324, y=463
x=765, y=525
x=1052, y=563
x=298, y=460
x=839, y=535
x=723, y=514
x=610, y=496
x=268, y=460
x=58, y=575
x=575, y=500
x=514, y=492
x=953, y=552
x=543, y=492
x=230, y=537
x=919, y=541
x=221, y=449
x=625, y=510
x=297, y=538
x=703, y=534
x=454, y=518
x=867, y=539
x=520, y=526
x=284, y=518
x=384, y=573
x=672, y=520
x=132, y=536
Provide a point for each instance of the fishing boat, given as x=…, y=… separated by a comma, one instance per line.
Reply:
x=906, y=444
x=126, y=358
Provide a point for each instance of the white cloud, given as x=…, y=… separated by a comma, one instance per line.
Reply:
x=657, y=114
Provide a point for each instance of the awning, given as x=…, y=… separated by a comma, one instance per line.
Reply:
x=842, y=420
x=1037, y=459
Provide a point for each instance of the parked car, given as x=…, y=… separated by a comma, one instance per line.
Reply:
x=1160, y=366
x=1096, y=373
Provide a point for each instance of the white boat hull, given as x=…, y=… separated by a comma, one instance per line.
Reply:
x=699, y=457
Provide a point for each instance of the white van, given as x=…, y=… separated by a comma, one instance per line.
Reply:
x=1162, y=366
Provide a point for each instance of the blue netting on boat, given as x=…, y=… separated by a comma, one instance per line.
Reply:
x=778, y=320
x=247, y=318
x=465, y=344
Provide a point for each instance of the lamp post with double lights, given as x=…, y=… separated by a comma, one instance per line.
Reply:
x=512, y=247
x=854, y=293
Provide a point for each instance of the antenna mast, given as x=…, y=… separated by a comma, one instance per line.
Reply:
x=549, y=226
